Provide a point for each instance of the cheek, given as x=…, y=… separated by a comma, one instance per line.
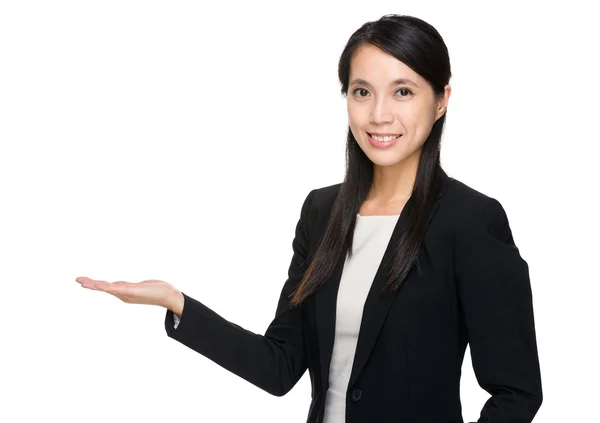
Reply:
x=351, y=114
x=356, y=131
x=357, y=114
x=354, y=126
x=419, y=118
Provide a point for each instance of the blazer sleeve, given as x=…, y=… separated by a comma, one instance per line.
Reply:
x=496, y=303
x=275, y=361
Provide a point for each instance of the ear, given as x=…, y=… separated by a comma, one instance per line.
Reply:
x=442, y=103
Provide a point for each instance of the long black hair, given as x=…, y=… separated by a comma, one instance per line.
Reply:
x=418, y=45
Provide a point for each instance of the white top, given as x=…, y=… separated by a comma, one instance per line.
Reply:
x=371, y=237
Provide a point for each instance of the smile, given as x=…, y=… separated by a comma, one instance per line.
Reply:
x=385, y=141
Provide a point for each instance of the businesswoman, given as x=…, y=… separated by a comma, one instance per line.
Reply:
x=394, y=270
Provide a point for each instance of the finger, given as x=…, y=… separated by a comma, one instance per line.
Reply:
x=87, y=282
x=90, y=283
x=97, y=285
x=83, y=279
x=111, y=288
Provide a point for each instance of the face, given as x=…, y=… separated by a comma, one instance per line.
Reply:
x=391, y=108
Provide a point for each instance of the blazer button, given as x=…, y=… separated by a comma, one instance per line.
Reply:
x=356, y=395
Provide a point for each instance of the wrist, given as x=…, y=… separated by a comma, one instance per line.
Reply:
x=176, y=302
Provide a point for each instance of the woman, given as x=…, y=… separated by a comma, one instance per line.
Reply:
x=393, y=271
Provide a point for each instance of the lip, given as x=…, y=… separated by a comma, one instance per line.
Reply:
x=381, y=144
x=383, y=134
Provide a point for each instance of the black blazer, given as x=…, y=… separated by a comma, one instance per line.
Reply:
x=470, y=285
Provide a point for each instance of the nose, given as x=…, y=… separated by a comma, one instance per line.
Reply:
x=381, y=113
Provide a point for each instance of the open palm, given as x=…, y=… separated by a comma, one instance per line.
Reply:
x=152, y=291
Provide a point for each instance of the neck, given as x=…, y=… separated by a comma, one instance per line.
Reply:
x=393, y=183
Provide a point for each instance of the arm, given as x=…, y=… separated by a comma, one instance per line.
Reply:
x=496, y=302
x=176, y=306
x=274, y=361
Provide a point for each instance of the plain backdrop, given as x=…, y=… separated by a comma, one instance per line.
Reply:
x=161, y=140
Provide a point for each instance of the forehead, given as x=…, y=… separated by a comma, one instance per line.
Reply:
x=378, y=67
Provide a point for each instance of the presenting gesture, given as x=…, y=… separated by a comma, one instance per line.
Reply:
x=151, y=292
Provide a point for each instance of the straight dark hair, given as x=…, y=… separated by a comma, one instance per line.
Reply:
x=419, y=46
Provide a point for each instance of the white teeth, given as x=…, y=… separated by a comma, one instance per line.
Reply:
x=384, y=139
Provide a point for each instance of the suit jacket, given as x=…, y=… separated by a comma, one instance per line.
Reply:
x=470, y=286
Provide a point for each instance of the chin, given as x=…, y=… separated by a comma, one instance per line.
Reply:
x=386, y=158
x=383, y=158
x=386, y=161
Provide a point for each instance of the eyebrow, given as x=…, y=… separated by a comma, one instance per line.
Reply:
x=398, y=81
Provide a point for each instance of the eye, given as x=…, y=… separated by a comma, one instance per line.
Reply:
x=406, y=90
x=362, y=92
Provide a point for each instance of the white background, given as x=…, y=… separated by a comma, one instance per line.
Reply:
x=149, y=140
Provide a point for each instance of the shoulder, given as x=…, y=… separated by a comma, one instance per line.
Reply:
x=464, y=200
x=461, y=202
x=317, y=206
x=459, y=197
x=463, y=206
x=460, y=194
x=475, y=213
x=321, y=199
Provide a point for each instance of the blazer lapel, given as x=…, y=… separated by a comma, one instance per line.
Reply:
x=375, y=309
